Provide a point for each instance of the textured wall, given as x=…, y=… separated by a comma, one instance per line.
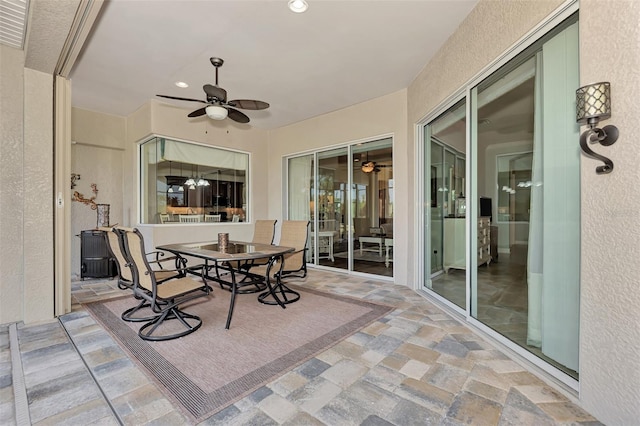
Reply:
x=38, y=196
x=11, y=190
x=381, y=116
x=610, y=287
x=103, y=130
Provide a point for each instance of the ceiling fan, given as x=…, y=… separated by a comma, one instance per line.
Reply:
x=371, y=166
x=218, y=108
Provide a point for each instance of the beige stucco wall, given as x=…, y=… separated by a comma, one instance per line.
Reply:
x=381, y=116
x=38, y=196
x=11, y=190
x=610, y=287
x=610, y=294
x=26, y=202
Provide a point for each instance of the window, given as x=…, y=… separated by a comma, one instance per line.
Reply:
x=180, y=179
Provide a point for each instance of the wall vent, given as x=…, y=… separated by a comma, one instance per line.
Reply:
x=13, y=22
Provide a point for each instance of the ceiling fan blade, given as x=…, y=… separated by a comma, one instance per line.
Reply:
x=198, y=112
x=182, y=99
x=248, y=104
x=238, y=116
x=217, y=92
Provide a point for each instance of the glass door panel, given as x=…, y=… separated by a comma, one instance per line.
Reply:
x=445, y=244
x=525, y=268
x=300, y=192
x=372, y=207
x=329, y=241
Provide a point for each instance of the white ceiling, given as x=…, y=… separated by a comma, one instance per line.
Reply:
x=336, y=54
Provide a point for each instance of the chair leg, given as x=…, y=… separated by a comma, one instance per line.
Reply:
x=128, y=314
x=147, y=331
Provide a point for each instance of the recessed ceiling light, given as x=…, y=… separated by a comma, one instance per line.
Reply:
x=181, y=84
x=298, y=6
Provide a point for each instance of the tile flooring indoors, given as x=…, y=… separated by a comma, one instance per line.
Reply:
x=416, y=366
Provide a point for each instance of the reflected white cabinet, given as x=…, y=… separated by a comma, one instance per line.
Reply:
x=455, y=243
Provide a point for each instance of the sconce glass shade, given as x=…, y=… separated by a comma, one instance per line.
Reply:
x=216, y=112
x=202, y=182
x=593, y=103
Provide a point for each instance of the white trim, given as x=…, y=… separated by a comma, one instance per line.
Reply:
x=140, y=142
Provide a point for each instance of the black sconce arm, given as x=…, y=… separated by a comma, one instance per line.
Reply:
x=606, y=136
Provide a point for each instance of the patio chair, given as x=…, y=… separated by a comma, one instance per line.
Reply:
x=263, y=233
x=116, y=246
x=294, y=233
x=164, y=299
x=189, y=218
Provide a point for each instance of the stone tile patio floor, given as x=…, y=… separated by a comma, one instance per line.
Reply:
x=416, y=366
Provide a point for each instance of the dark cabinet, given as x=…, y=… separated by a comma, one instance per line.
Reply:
x=95, y=259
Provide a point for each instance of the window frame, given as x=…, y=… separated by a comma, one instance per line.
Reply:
x=246, y=206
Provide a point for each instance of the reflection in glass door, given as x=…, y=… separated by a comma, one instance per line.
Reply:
x=329, y=243
x=348, y=197
x=525, y=277
x=372, y=207
x=445, y=243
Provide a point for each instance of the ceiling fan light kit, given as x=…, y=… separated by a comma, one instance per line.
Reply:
x=216, y=112
x=218, y=108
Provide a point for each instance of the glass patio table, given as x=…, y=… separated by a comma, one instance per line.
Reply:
x=231, y=258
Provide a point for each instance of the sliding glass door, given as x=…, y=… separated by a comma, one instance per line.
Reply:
x=347, y=194
x=511, y=255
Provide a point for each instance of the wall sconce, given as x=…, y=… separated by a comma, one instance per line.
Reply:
x=593, y=103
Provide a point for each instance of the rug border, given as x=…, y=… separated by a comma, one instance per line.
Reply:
x=194, y=402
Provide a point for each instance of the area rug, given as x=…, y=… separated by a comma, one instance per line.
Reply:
x=212, y=368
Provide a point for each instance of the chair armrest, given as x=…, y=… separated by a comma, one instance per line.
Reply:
x=180, y=262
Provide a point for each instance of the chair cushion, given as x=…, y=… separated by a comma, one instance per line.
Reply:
x=178, y=287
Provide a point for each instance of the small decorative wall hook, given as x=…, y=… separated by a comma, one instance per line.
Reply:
x=593, y=103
